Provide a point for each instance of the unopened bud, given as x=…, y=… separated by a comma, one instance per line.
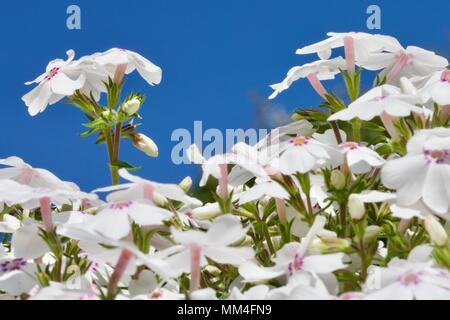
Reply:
x=208, y=211
x=356, y=207
x=159, y=199
x=131, y=106
x=337, y=179
x=436, y=231
x=186, y=184
x=407, y=86
x=146, y=145
x=371, y=232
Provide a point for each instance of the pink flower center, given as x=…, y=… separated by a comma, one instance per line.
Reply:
x=296, y=264
x=409, y=278
x=121, y=205
x=299, y=141
x=13, y=265
x=53, y=72
x=155, y=294
x=445, y=77
x=350, y=145
x=380, y=98
x=437, y=156
x=27, y=175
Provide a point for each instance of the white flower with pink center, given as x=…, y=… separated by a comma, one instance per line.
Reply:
x=410, y=62
x=424, y=173
x=61, y=78
x=380, y=101
x=21, y=172
x=407, y=280
x=438, y=87
x=361, y=159
x=143, y=190
x=294, y=258
x=303, y=154
x=216, y=244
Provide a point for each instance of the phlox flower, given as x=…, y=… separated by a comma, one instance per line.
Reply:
x=293, y=258
x=140, y=189
x=423, y=173
x=303, y=154
x=314, y=72
x=362, y=43
x=385, y=99
x=407, y=280
x=410, y=62
x=17, y=275
x=359, y=158
x=215, y=244
x=21, y=172
x=128, y=61
x=61, y=78
x=437, y=87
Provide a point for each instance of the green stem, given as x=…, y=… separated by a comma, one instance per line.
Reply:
x=110, y=148
x=356, y=126
x=342, y=219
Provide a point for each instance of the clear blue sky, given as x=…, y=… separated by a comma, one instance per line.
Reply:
x=214, y=54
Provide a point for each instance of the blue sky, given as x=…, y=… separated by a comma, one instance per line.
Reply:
x=214, y=56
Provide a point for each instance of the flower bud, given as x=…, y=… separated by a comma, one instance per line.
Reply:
x=356, y=207
x=436, y=231
x=131, y=106
x=186, y=184
x=159, y=199
x=407, y=86
x=208, y=211
x=337, y=179
x=371, y=232
x=108, y=113
x=146, y=145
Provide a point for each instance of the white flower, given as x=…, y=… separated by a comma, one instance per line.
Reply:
x=17, y=275
x=29, y=198
x=67, y=291
x=410, y=62
x=407, y=280
x=438, y=87
x=303, y=154
x=258, y=292
x=214, y=244
x=319, y=70
x=423, y=174
x=301, y=287
x=377, y=101
x=260, y=189
x=116, y=57
x=361, y=159
x=23, y=173
x=363, y=43
x=114, y=220
x=140, y=189
x=145, y=144
x=62, y=78
x=293, y=258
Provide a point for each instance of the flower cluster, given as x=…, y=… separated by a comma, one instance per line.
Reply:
x=349, y=201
